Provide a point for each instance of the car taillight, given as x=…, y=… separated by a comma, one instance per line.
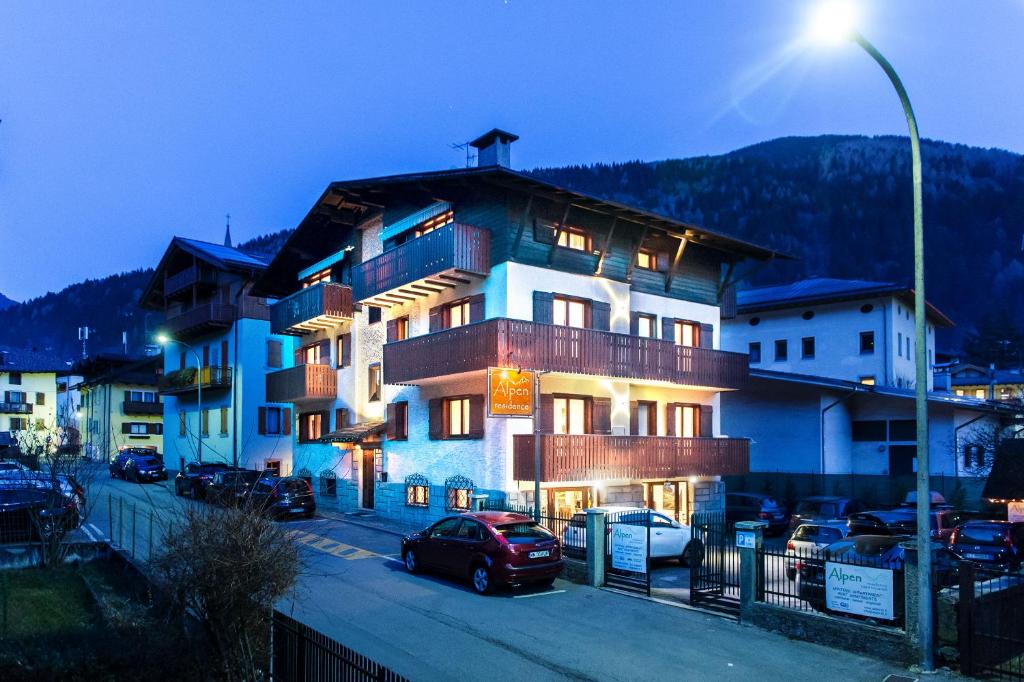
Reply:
x=309, y=486
x=790, y=546
x=763, y=515
x=1007, y=540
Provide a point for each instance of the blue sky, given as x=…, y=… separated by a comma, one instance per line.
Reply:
x=124, y=124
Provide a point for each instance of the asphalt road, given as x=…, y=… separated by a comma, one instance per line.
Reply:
x=354, y=588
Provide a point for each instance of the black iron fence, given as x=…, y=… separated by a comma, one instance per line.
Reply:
x=135, y=531
x=991, y=622
x=301, y=653
x=715, y=579
x=570, y=530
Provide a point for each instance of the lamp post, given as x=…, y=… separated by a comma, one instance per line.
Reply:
x=834, y=22
x=163, y=340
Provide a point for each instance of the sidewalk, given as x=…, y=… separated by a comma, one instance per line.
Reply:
x=365, y=519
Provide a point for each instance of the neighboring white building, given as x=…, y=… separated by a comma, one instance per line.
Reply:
x=842, y=329
x=403, y=291
x=213, y=319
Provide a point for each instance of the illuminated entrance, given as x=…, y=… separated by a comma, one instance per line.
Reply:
x=671, y=498
x=564, y=502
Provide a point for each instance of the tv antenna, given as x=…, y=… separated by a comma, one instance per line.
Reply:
x=465, y=146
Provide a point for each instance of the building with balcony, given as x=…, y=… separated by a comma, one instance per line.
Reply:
x=121, y=406
x=28, y=390
x=219, y=347
x=450, y=273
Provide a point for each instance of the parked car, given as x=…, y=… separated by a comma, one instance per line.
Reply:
x=886, y=522
x=490, y=549
x=67, y=484
x=995, y=543
x=669, y=538
x=137, y=466
x=193, y=479
x=756, y=507
x=824, y=508
x=11, y=465
x=809, y=539
x=286, y=497
x=231, y=488
x=28, y=512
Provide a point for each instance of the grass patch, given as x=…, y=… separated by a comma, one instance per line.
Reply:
x=44, y=603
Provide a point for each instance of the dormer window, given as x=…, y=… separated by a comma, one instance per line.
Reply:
x=434, y=223
x=574, y=238
x=646, y=259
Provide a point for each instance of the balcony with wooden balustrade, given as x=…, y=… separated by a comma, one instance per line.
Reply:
x=321, y=306
x=301, y=383
x=183, y=280
x=188, y=379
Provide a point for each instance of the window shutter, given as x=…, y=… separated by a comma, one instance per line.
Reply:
x=600, y=315
x=668, y=329
x=707, y=336
x=601, y=417
x=261, y=421
x=670, y=419
x=223, y=353
x=325, y=352
x=299, y=359
x=476, y=308
x=303, y=431
x=392, y=426
x=40, y=398
x=476, y=416
x=661, y=261
x=634, y=418
x=436, y=318
x=7, y=396
x=340, y=418
x=392, y=332
x=127, y=396
x=325, y=423
x=543, y=307
x=634, y=323
x=26, y=397
x=727, y=305
x=155, y=429
x=286, y=421
x=543, y=232
x=436, y=419
x=706, y=414
x=346, y=351
x=126, y=427
x=273, y=353
x=547, y=413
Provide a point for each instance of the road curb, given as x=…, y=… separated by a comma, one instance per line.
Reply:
x=362, y=524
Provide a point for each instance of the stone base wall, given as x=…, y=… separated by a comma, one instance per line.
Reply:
x=631, y=495
x=708, y=496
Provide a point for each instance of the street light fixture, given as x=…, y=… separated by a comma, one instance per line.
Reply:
x=834, y=22
x=164, y=340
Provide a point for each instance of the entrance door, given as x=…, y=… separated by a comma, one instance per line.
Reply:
x=369, y=474
x=670, y=498
x=902, y=460
x=564, y=502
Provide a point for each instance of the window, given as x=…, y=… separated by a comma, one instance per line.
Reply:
x=15, y=378
x=344, y=350
x=645, y=325
x=398, y=420
x=867, y=380
x=19, y=423
x=869, y=431
x=373, y=316
x=458, y=491
x=781, y=350
x=903, y=429
x=574, y=238
x=314, y=354
x=687, y=421
x=373, y=382
x=402, y=328
x=138, y=429
x=141, y=396
x=181, y=424
x=807, y=347
x=40, y=424
x=646, y=259
x=40, y=398
x=273, y=466
x=755, y=352
x=647, y=418
x=686, y=333
x=205, y=423
x=272, y=421
x=899, y=344
x=570, y=312
x=974, y=455
x=312, y=423
x=458, y=313
x=867, y=343
x=18, y=397
x=457, y=411
x=979, y=393
x=959, y=391
x=316, y=278
x=417, y=491
x=909, y=355
x=273, y=353
x=328, y=483
x=571, y=414
x=434, y=223
x=223, y=421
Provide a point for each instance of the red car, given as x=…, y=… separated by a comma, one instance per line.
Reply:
x=490, y=549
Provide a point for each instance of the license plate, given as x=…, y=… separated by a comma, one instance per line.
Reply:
x=977, y=556
x=296, y=510
x=538, y=555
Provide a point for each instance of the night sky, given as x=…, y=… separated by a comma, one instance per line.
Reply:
x=124, y=125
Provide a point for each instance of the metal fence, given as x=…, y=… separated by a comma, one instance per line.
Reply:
x=300, y=653
x=991, y=622
x=627, y=563
x=132, y=530
x=715, y=580
x=573, y=541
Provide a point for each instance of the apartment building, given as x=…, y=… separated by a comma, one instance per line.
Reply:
x=217, y=348
x=403, y=291
x=120, y=404
x=28, y=390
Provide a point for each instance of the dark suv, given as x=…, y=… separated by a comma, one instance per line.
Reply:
x=823, y=508
x=231, y=488
x=287, y=497
x=137, y=466
x=994, y=543
x=193, y=479
x=756, y=507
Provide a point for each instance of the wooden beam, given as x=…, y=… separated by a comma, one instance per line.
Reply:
x=607, y=245
x=525, y=218
x=417, y=294
x=436, y=283
x=427, y=290
x=632, y=256
x=675, y=264
x=453, y=278
x=558, y=233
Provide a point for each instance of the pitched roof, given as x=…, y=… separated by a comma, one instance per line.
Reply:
x=25, y=360
x=110, y=368
x=225, y=256
x=826, y=290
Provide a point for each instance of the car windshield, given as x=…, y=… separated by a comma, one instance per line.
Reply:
x=523, y=532
x=149, y=461
x=211, y=468
x=982, y=534
x=293, y=485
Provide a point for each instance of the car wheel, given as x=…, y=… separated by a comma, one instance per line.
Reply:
x=693, y=555
x=410, y=562
x=481, y=580
x=177, y=490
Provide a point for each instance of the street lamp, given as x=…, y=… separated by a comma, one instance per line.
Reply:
x=164, y=340
x=834, y=22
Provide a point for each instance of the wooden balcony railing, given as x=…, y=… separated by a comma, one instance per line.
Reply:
x=200, y=319
x=139, y=407
x=180, y=281
x=15, y=408
x=600, y=457
x=307, y=310
x=502, y=342
x=454, y=248
x=187, y=380
x=304, y=382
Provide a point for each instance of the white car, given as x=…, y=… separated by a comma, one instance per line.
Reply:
x=669, y=538
x=809, y=539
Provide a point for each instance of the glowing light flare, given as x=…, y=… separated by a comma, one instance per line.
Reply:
x=833, y=22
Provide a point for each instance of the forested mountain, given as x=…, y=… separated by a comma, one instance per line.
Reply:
x=6, y=302
x=841, y=205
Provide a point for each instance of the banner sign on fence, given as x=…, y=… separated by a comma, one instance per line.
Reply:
x=1015, y=511
x=509, y=392
x=629, y=548
x=861, y=590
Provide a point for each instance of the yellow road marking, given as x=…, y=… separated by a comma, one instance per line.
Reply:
x=332, y=547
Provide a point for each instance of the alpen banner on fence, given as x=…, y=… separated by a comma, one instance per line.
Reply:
x=861, y=590
x=629, y=548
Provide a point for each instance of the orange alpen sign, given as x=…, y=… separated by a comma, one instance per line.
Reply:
x=509, y=392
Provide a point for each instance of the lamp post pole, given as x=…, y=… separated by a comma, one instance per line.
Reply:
x=924, y=573
x=536, y=446
x=199, y=397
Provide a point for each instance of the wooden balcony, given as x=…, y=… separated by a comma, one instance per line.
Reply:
x=502, y=342
x=182, y=381
x=320, y=306
x=305, y=382
x=185, y=279
x=138, y=407
x=600, y=457
x=15, y=408
x=448, y=256
x=200, y=320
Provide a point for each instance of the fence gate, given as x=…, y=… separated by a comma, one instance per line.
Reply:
x=715, y=580
x=627, y=563
x=991, y=622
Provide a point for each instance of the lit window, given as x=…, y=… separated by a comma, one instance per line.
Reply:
x=959, y=391
x=273, y=466
x=570, y=415
x=458, y=416
x=646, y=260
x=687, y=333
x=428, y=226
x=311, y=424
x=322, y=276
x=573, y=238
x=458, y=314
x=570, y=312
x=979, y=393
x=868, y=381
x=373, y=383
x=645, y=326
x=311, y=354
x=138, y=429
x=687, y=418
x=402, y=328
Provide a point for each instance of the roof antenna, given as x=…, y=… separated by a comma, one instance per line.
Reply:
x=227, y=231
x=470, y=156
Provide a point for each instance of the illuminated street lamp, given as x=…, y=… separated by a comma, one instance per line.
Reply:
x=833, y=23
x=163, y=340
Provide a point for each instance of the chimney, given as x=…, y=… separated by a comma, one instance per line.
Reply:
x=494, y=148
